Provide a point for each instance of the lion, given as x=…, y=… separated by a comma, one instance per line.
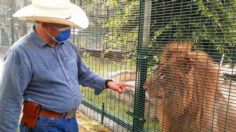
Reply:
x=184, y=90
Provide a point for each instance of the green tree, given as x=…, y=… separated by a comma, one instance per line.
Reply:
x=209, y=24
x=122, y=25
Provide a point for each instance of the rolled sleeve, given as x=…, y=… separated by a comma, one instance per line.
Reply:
x=14, y=80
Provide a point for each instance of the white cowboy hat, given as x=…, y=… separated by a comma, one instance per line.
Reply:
x=54, y=11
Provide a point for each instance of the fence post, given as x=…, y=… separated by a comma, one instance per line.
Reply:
x=142, y=58
x=139, y=101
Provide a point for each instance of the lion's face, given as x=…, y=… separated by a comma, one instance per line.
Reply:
x=168, y=83
x=183, y=85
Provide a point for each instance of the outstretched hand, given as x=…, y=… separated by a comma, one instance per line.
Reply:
x=118, y=86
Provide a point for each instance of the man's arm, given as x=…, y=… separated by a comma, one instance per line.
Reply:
x=14, y=80
x=88, y=78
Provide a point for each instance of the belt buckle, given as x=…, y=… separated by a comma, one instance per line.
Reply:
x=69, y=115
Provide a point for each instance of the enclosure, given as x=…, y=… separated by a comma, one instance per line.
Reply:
x=178, y=55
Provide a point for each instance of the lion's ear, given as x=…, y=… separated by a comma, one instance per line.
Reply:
x=184, y=64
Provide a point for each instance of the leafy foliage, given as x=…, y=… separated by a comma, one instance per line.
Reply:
x=209, y=24
x=122, y=25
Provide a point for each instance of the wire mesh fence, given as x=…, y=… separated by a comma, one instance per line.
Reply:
x=178, y=55
x=186, y=51
x=192, y=49
x=108, y=47
x=10, y=28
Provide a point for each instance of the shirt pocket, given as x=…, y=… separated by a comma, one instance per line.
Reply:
x=72, y=67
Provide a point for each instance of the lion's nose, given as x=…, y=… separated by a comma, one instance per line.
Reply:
x=162, y=75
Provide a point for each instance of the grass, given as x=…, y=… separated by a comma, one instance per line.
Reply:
x=112, y=104
x=104, y=67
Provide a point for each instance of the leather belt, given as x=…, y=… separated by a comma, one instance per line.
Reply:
x=47, y=113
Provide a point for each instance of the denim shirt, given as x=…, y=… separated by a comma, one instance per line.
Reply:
x=49, y=76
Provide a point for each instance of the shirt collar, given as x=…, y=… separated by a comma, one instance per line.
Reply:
x=38, y=41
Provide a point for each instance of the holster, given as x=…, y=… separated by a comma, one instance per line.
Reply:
x=30, y=114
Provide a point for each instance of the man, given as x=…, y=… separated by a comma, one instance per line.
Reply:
x=43, y=71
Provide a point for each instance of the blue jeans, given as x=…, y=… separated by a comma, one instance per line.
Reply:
x=48, y=124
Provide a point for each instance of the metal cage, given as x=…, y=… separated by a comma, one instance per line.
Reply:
x=178, y=55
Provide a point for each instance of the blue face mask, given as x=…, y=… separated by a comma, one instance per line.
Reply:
x=64, y=34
